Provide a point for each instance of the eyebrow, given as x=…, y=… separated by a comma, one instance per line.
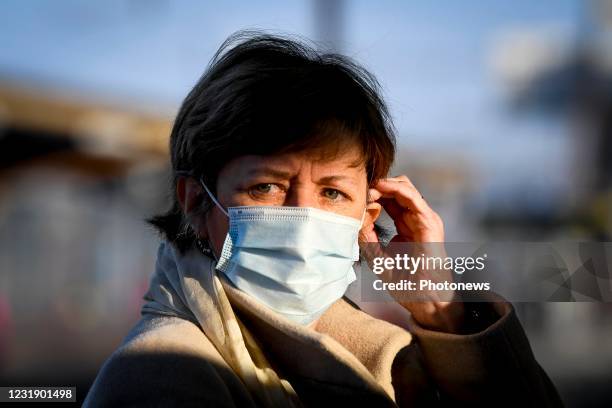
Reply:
x=280, y=174
x=332, y=179
x=268, y=171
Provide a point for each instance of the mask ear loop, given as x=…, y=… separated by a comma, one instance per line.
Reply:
x=204, y=248
x=212, y=197
x=365, y=210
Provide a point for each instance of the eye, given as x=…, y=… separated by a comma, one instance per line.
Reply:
x=263, y=188
x=332, y=194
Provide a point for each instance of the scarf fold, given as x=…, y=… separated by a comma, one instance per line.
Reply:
x=187, y=286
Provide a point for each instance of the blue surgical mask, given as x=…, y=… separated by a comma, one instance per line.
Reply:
x=295, y=260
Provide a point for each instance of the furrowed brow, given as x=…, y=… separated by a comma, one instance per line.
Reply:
x=270, y=172
x=336, y=179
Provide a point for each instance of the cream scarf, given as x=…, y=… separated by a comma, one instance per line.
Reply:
x=187, y=286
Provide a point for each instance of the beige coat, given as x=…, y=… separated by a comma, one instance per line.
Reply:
x=351, y=359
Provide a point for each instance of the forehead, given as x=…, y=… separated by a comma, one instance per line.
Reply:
x=346, y=160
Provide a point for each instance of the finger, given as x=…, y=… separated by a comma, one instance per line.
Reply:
x=399, y=217
x=374, y=195
x=405, y=181
x=392, y=207
x=404, y=193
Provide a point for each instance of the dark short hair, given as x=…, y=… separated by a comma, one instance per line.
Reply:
x=265, y=94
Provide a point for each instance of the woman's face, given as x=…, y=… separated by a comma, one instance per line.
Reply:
x=319, y=179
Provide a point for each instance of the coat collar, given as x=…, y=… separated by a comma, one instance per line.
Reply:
x=348, y=347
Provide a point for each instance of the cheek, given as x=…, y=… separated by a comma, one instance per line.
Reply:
x=216, y=227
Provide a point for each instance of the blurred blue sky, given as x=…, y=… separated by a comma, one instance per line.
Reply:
x=431, y=58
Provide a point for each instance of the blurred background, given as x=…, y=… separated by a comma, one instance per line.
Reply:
x=503, y=111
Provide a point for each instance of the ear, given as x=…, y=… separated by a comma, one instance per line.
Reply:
x=189, y=195
x=367, y=232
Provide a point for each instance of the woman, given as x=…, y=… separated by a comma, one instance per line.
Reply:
x=280, y=156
